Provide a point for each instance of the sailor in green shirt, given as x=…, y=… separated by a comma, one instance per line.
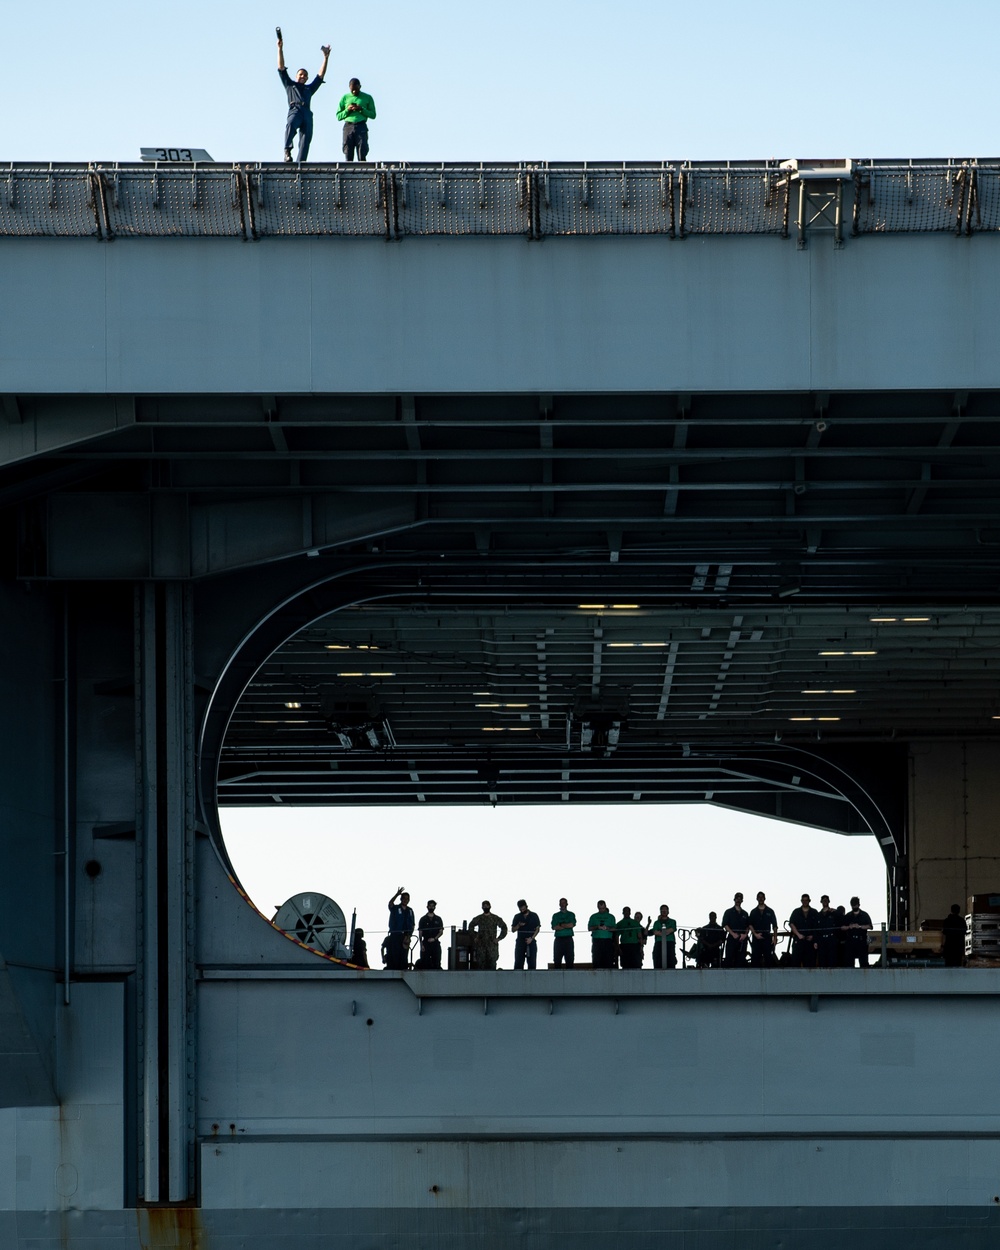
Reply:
x=630, y=935
x=356, y=109
x=563, y=922
x=602, y=931
x=664, y=921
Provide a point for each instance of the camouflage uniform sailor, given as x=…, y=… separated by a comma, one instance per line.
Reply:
x=488, y=932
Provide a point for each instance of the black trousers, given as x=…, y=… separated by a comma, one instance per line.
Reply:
x=805, y=953
x=525, y=950
x=602, y=953
x=396, y=950
x=710, y=957
x=761, y=953
x=658, y=954
x=563, y=951
x=355, y=140
x=630, y=955
x=827, y=952
x=430, y=953
x=300, y=122
x=736, y=954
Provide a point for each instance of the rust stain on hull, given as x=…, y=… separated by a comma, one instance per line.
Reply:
x=171, y=1228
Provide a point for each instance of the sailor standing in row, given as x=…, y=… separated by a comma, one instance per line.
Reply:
x=401, y=926
x=805, y=945
x=563, y=925
x=736, y=923
x=763, y=933
x=525, y=926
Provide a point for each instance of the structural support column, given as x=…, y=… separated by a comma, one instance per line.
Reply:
x=165, y=836
x=954, y=818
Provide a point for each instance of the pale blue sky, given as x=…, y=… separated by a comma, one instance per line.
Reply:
x=553, y=79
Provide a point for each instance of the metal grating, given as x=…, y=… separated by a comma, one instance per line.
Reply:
x=318, y=200
x=726, y=200
x=47, y=202
x=156, y=203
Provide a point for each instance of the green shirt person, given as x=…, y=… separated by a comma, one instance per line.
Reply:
x=666, y=926
x=356, y=109
x=602, y=932
x=630, y=935
x=563, y=925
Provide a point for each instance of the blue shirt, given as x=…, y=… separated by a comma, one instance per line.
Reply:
x=525, y=925
x=299, y=93
x=401, y=919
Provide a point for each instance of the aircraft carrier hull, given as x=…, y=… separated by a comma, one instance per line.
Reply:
x=681, y=1108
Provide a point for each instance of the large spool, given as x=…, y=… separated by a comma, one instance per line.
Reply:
x=316, y=921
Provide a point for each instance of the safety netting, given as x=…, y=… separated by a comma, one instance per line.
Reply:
x=983, y=203
x=456, y=199
x=733, y=199
x=152, y=202
x=604, y=199
x=48, y=201
x=534, y=201
x=319, y=200
x=923, y=197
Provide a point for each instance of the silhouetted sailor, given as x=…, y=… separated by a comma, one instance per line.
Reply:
x=664, y=921
x=563, y=925
x=855, y=927
x=953, y=934
x=602, y=934
x=804, y=923
x=401, y=926
x=629, y=939
x=736, y=923
x=359, y=950
x=827, y=933
x=525, y=925
x=710, y=939
x=488, y=932
x=429, y=929
x=300, y=93
x=763, y=933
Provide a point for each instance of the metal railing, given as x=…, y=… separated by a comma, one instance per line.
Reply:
x=672, y=200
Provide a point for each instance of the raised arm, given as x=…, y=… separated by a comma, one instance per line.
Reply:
x=281, y=54
x=325, y=49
